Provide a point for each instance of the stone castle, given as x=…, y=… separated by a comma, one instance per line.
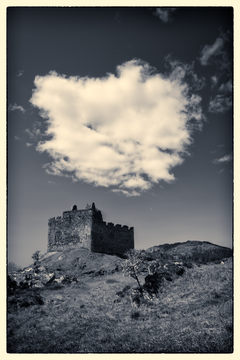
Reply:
x=86, y=228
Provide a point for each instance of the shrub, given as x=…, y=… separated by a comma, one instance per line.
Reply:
x=153, y=283
x=37, y=263
x=11, y=285
x=135, y=315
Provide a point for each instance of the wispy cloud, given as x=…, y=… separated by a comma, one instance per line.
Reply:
x=219, y=53
x=214, y=80
x=209, y=51
x=194, y=82
x=226, y=87
x=35, y=134
x=125, y=131
x=224, y=159
x=221, y=82
x=20, y=73
x=220, y=103
x=51, y=182
x=16, y=107
x=164, y=14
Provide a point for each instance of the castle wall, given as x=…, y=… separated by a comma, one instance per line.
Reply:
x=86, y=228
x=111, y=239
x=73, y=229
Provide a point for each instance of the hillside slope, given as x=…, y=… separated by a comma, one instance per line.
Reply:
x=81, y=261
x=95, y=312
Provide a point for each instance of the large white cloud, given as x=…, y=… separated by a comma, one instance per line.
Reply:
x=125, y=131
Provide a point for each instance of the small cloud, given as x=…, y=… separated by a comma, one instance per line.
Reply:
x=16, y=107
x=51, y=182
x=28, y=144
x=29, y=132
x=127, y=193
x=226, y=87
x=209, y=51
x=16, y=137
x=220, y=103
x=20, y=73
x=223, y=159
x=164, y=14
x=214, y=80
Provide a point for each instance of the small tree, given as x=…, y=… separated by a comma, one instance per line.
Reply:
x=133, y=266
x=36, y=259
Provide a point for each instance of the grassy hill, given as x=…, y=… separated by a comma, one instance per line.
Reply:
x=93, y=311
x=196, y=251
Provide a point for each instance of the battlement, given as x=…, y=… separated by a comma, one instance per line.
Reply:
x=86, y=228
x=117, y=227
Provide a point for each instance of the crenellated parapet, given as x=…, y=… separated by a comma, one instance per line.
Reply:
x=117, y=227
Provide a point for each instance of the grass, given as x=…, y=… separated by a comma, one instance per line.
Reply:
x=191, y=314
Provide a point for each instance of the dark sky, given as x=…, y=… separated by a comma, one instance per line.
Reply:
x=91, y=43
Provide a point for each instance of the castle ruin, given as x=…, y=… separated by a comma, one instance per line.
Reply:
x=86, y=228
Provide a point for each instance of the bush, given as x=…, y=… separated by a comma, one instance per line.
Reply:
x=180, y=271
x=24, y=298
x=37, y=263
x=11, y=285
x=135, y=315
x=153, y=283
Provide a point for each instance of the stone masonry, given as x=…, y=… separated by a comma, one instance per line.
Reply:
x=86, y=228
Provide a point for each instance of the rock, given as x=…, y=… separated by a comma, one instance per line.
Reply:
x=47, y=278
x=59, y=280
x=37, y=284
x=41, y=268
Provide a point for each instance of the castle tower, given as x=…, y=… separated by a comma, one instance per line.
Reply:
x=86, y=228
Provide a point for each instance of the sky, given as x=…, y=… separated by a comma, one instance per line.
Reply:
x=127, y=107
